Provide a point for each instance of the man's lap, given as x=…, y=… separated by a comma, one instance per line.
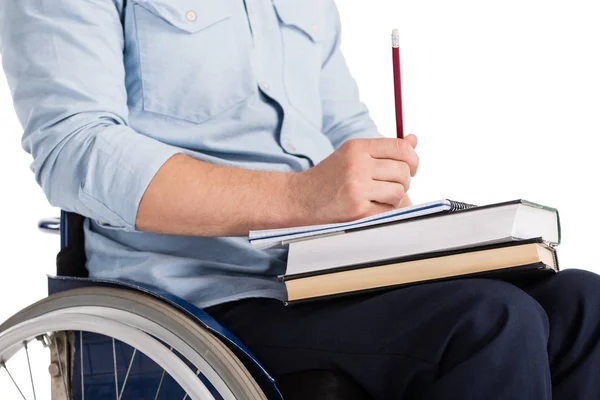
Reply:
x=413, y=329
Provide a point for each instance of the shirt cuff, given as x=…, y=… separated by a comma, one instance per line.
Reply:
x=121, y=166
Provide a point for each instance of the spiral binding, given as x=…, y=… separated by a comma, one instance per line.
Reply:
x=457, y=205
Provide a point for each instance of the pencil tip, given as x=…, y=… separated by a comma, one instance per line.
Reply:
x=395, y=38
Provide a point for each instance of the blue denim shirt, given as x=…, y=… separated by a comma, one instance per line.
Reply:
x=108, y=90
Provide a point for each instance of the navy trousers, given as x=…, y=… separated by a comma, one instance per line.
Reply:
x=462, y=339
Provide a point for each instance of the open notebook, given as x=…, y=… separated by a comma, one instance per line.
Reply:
x=280, y=237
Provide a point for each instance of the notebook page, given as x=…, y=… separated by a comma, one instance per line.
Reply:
x=277, y=237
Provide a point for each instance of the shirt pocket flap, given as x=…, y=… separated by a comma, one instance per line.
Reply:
x=189, y=15
x=305, y=15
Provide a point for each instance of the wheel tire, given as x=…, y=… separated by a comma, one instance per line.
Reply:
x=218, y=356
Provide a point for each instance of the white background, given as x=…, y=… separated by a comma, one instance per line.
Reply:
x=505, y=97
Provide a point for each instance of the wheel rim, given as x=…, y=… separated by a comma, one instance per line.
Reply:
x=138, y=332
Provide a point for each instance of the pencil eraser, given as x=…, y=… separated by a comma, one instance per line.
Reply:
x=395, y=38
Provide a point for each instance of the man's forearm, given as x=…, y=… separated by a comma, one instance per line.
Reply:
x=191, y=197
x=361, y=178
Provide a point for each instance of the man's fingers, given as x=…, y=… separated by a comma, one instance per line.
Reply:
x=392, y=171
x=395, y=149
x=390, y=193
x=412, y=139
x=378, y=208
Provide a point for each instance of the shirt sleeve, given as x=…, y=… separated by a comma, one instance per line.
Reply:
x=344, y=115
x=64, y=63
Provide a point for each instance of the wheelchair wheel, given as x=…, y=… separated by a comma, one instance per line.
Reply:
x=187, y=354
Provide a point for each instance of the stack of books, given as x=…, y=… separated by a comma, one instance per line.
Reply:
x=513, y=241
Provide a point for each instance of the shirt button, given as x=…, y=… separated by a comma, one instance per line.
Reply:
x=191, y=15
x=264, y=85
x=315, y=28
x=250, y=10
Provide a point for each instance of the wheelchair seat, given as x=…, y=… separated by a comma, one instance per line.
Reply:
x=305, y=385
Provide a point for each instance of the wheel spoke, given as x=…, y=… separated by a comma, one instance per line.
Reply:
x=127, y=374
x=60, y=368
x=186, y=395
x=115, y=368
x=12, y=379
x=81, y=364
x=30, y=373
x=162, y=376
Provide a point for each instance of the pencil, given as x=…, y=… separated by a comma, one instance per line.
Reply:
x=397, y=83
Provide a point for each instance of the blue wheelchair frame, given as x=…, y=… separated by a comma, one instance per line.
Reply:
x=62, y=283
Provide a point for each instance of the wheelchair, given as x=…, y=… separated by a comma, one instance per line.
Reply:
x=102, y=339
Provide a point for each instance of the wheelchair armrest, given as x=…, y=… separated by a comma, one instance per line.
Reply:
x=50, y=225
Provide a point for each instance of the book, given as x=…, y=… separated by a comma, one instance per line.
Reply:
x=450, y=229
x=280, y=237
x=517, y=262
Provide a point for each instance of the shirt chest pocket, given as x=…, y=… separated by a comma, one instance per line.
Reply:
x=191, y=65
x=302, y=27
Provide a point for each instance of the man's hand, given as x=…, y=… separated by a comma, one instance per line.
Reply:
x=363, y=177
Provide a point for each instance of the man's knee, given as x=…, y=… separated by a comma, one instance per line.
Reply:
x=497, y=321
x=577, y=284
x=497, y=305
x=570, y=293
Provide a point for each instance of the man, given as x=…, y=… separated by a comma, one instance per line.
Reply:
x=176, y=126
